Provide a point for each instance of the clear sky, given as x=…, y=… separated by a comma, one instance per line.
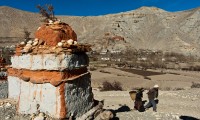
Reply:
x=100, y=7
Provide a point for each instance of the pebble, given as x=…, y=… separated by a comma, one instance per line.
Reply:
x=35, y=43
x=22, y=43
x=30, y=42
x=193, y=99
x=8, y=105
x=177, y=117
x=39, y=118
x=38, y=28
x=32, y=116
x=75, y=43
x=60, y=44
x=7, y=117
x=158, y=118
x=167, y=115
x=70, y=41
x=63, y=41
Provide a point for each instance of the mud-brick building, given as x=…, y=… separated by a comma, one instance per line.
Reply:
x=49, y=74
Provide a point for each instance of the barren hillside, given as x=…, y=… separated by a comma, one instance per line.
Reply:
x=146, y=28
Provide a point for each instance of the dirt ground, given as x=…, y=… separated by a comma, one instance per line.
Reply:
x=173, y=105
x=166, y=79
x=177, y=100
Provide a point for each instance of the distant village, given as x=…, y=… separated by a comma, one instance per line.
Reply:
x=143, y=59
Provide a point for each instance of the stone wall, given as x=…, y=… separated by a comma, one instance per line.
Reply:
x=3, y=89
x=79, y=95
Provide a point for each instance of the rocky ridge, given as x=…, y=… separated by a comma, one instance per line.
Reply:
x=144, y=28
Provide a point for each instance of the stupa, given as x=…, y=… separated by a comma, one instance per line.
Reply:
x=49, y=74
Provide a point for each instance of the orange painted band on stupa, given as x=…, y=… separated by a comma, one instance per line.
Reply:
x=44, y=76
x=63, y=108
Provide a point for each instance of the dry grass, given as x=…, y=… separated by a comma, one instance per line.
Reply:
x=195, y=85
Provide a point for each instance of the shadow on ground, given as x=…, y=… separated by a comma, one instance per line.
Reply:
x=142, y=72
x=123, y=108
x=188, y=118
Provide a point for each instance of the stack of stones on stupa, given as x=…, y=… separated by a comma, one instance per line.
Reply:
x=49, y=74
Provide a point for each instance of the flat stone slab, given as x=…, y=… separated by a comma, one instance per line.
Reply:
x=50, y=61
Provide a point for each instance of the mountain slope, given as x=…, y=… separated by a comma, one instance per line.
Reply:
x=146, y=28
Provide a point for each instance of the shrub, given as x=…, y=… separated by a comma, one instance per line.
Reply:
x=108, y=86
x=92, y=68
x=166, y=89
x=27, y=35
x=174, y=73
x=119, y=75
x=117, y=85
x=146, y=77
x=47, y=12
x=175, y=89
x=103, y=71
x=195, y=85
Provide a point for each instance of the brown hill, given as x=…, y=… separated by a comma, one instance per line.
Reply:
x=146, y=28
